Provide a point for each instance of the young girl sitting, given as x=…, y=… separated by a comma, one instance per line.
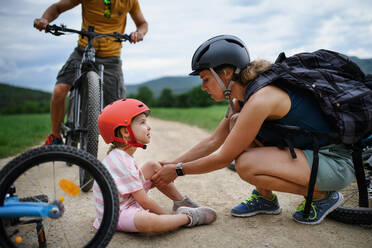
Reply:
x=123, y=123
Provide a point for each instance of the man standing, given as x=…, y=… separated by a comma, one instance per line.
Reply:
x=107, y=16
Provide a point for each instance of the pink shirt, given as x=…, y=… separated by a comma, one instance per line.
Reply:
x=128, y=179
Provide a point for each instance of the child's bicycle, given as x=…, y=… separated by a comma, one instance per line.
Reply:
x=85, y=98
x=40, y=203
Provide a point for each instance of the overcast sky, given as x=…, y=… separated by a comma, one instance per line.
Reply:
x=176, y=28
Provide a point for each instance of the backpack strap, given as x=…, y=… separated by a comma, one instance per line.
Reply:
x=368, y=81
x=280, y=58
x=264, y=79
x=312, y=180
x=359, y=174
x=286, y=131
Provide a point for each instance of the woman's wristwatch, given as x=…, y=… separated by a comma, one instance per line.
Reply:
x=179, y=170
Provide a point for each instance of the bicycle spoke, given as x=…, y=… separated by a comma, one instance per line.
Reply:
x=54, y=182
x=88, y=182
x=73, y=224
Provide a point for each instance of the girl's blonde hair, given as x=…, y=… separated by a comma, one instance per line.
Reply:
x=116, y=144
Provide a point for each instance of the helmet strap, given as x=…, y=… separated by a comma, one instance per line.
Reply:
x=227, y=91
x=131, y=143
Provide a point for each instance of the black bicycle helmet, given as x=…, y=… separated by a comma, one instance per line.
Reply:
x=219, y=50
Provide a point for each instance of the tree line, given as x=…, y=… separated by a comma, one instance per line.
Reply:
x=167, y=99
x=193, y=98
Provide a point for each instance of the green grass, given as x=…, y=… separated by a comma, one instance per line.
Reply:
x=19, y=132
x=207, y=118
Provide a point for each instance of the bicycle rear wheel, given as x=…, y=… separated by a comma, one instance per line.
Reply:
x=90, y=109
x=350, y=212
x=39, y=172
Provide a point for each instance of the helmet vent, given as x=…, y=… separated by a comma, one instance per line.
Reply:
x=202, y=53
x=140, y=106
x=235, y=42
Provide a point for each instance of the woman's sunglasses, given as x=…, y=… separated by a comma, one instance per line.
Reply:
x=107, y=11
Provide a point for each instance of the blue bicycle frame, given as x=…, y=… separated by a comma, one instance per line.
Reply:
x=14, y=208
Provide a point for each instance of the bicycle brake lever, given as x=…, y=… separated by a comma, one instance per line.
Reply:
x=57, y=33
x=54, y=30
x=121, y=37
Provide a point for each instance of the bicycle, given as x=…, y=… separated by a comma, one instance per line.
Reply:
x=85, y=98
x=40, y=203
x=357, y=205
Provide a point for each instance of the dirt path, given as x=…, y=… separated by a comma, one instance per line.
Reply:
x=222, y=190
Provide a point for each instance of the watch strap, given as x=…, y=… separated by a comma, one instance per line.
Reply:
x=179, y=170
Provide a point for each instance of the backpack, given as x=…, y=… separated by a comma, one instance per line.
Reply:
x=342, y=90
x=344, y=94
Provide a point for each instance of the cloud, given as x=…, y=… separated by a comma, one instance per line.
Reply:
x=177, y=28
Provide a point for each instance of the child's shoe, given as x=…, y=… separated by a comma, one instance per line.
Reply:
x=198, y=216
x=186, y=202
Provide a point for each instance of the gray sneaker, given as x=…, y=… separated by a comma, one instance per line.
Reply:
x=186, y=202
x=198, y=216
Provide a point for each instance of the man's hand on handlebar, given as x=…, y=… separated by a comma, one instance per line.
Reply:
x=40, y=23
x=136, y=36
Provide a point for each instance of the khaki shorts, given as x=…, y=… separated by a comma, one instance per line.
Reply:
x=335, y=170
x=113, y=87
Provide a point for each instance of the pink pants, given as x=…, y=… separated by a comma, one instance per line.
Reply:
x=126, y=216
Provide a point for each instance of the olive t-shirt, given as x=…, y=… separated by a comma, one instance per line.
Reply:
x=93, y=15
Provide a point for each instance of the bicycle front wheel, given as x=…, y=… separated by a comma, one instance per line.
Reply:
x=36, y=176
x=90, y=109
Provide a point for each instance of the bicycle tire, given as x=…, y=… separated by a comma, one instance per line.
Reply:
x=70, y=138
x=350, y=211
x=90, y=109
x=46, y=159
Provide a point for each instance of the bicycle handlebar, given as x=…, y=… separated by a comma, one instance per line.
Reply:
x=61, y=30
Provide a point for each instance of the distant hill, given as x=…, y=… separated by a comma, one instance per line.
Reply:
x=364, y=64
x=13, y=96
x=183, y=84
x=178, y=85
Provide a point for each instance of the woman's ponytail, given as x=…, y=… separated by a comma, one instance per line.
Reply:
x=253, y=69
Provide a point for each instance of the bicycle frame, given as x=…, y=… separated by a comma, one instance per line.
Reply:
x=14, y=208
x=87, y=64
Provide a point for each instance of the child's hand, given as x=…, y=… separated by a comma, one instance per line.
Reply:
x=164, y=162
x=165, y=175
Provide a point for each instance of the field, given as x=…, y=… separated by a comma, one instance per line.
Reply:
x=206, y=118
x=18, y=132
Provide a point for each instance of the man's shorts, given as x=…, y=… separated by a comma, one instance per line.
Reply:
x=335, y=170
x=113, y=87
